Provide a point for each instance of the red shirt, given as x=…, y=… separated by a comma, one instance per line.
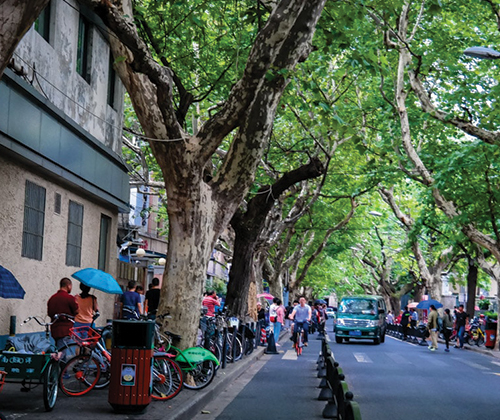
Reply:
x=210, y=302
x=61, y=303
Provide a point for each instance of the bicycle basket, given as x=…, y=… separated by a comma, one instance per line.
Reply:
x=85, y=336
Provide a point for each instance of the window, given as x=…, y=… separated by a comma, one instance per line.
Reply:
x=42, y=24
x=75, y=230
x=83, y=49
x=111, y=82
x=57, y=203
x=33, y=225
x=103, y=242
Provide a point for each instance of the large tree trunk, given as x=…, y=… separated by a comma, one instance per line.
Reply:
x=471, y=287
x=248, y=227
x=16, y=18
x=198, y=208
x=241, y=273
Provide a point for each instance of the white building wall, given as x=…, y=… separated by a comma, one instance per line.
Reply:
x=40, y=279
x=56, y=77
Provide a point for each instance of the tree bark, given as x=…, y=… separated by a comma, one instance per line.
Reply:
x=200, y=209
x=248, y=227
x=16, y=18
x=471, y=287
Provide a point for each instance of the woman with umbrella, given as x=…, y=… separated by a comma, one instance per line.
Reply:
x=87, y=307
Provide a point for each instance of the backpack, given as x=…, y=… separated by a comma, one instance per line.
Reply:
x=439, y=323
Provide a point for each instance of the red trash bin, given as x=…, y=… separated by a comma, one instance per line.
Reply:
x=131, y=366
x=491, y=333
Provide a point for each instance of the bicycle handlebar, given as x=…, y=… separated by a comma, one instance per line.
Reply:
x=47, y=324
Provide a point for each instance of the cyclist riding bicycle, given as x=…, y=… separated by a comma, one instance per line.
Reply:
x=301, y=315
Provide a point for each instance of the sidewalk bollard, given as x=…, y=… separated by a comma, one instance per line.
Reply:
x=322, y=372
x=243, y=332
x=233, y=346
x=325, y=394
x=330, y=411
x=271, y=345
x=323, y=383
x=224, y=347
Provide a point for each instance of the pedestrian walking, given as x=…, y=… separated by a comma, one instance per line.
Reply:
x=447, y=328
x=461, y=321
x=432, y=325
x=405, y=322
x=389, y=318
x=280, y=320
x=413, y=318
x=152, y=300
x=131, y=301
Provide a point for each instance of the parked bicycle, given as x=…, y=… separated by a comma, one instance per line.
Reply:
x=198, y=364
x=91, y=368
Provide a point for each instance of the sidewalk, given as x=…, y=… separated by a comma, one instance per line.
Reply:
x=280, y=387
x=20, y=405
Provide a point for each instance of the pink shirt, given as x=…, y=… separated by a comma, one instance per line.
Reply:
x=280, y=313
x=210, y=302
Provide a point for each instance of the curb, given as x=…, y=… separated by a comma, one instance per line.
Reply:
x=189, y=403
x=190, y=408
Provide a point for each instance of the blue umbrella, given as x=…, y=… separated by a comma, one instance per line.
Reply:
x=9, y=286
x=99, y=280
x=426, y=304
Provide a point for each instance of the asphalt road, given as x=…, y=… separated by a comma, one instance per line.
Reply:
x=397, y=380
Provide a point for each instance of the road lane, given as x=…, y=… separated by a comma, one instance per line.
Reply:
x=407, y=381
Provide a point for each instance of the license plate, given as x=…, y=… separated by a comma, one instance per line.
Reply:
x=355, y=333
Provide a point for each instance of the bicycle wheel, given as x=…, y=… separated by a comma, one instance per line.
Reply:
x=298, y=343
x=79, y=375
x=238, y=348
x=50, y=380
x=167, y=378
x=69, y=351
x=105, y=376
x=200, y=375
x=480, y=340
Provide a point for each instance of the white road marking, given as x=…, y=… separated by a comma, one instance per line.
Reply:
x=496, y=363
x=471, y=364
x=290, y=355
x=362, y=358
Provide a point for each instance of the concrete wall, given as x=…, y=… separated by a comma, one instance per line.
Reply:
x=57, y=79
x=40, y=279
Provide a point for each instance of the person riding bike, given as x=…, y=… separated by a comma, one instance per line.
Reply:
x=301, y=315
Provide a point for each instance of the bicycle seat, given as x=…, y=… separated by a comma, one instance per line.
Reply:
x=172, y=335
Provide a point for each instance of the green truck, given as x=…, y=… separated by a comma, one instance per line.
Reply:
x=361, y=317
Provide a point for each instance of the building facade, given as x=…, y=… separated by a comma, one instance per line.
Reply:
x=62, y=180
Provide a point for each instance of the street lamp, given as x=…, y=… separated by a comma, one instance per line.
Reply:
x=162, y=261
x=482, y=53
x=375, y=213
x=140, y=252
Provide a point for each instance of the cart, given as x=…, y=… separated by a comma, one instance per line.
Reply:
x=32, y=370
